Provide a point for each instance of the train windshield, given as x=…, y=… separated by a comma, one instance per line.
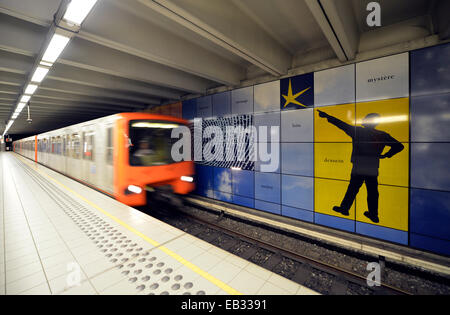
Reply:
x=151, y=142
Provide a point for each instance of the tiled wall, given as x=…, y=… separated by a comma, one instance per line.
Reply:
x=430, y=149
x=410, y=92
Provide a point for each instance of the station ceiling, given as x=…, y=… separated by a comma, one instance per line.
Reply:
x=133, y=54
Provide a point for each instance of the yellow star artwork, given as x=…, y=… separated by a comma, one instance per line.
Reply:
x=290, y=98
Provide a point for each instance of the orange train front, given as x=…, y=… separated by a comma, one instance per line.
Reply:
x=124, y=155
x=144, y=158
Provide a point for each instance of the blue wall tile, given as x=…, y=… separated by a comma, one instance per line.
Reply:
x=430, y=213
x=242, y=101
x=222, y=179
x=205, y=178
x=297, y=126
x=430, y=244
x=334, y=86
x=204, y=107
x=430, y=70
x=297, y=159
x=298, y=192
x=219, y=195
x=429, y=165
x=430, y=118
x=296, y=213
x=393, y=72
x=275, y=161
x=382, y=232
x=268, y=206
x=269, y=120
x=267, y=97
x=267, y=187
x=189, y=109
x=243, y=183
x=302, y=83
x=221, y=104
x=334, y=222
x=244, y=201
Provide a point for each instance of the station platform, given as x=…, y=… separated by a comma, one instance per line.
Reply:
x=62, y=237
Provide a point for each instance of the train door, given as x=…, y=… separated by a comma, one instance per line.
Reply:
x=88, y=154
x=108, y=181
x=67, y=153
x=74, y=161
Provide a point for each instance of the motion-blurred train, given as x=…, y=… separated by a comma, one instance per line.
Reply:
x=123, y=155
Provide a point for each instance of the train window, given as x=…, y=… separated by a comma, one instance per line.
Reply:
x=76, y=143
x=88, y=146
x=151, y=142
x=109, y=146
x=58, y=145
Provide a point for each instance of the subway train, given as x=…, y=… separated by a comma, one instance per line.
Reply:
x=123, y=155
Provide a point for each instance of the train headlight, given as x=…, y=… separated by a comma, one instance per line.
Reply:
x=134, y=189
x=188, y=179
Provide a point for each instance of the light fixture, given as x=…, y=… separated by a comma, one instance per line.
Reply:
x=25, y=99
x=145, y=124
x=39, y=74
x=78, y=10
x=55, y=47
x=188, y=179
x=45, y=63
x=20, y=106
x=135, y=189
x=31, y=88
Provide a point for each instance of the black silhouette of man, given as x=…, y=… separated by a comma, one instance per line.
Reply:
x=368, y=146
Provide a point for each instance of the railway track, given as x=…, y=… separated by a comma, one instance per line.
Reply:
x=302, y=268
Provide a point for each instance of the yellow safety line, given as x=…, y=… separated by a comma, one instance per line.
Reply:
x=172, y=254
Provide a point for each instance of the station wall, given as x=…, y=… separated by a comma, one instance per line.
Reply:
x=362, y=148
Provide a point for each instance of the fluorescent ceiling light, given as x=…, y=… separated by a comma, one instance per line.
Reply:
x=55, y=48
x=78, y=10
x=31, y=88
x=45, y=63
x=39, y=74
x=25, y=99
x=20, y=106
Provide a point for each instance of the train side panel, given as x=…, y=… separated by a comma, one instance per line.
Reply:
x=97, y=153
x=83, y=151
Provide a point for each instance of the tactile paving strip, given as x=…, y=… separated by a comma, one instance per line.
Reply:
x=144, y=270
